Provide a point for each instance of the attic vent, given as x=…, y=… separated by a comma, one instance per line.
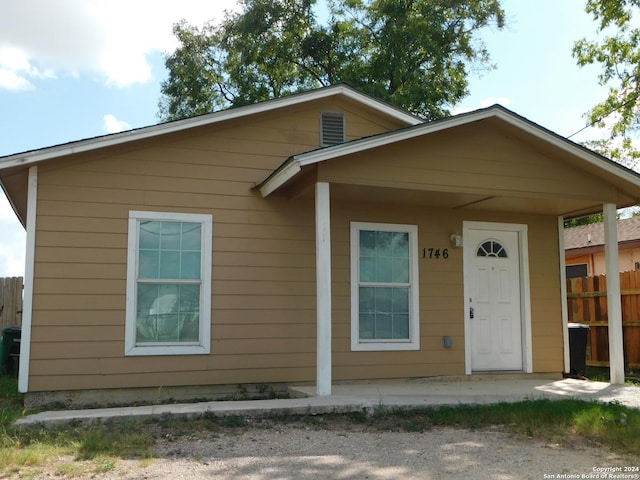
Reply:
x=332, y=131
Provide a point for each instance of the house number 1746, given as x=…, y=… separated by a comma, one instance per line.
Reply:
x=435, y=253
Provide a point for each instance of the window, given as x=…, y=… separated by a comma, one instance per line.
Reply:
x=168, y=284
x=577, y=270
x=491, y=248
x=384, y=287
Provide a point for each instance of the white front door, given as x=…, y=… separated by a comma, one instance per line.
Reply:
x=494, y=303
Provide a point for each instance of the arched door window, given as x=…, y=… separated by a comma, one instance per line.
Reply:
x=491, y=248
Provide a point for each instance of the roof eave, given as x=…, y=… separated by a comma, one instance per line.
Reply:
x=40, y=155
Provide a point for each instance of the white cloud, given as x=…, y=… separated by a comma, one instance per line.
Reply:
x=12, y=246
x=113, y=125
x=10, y=80
x=76, y=37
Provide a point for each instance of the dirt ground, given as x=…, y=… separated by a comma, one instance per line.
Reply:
x=303, y=452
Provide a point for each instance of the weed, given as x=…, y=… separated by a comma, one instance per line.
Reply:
x=234, y=421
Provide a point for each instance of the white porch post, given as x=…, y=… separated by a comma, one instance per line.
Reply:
x=323, y=289
x=614, y=303
x=27, y=304
x=563, y=294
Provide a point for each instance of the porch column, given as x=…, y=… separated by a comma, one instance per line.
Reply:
x=27, y=304
x=563, y=295
x=323, y=289
x=614, y=299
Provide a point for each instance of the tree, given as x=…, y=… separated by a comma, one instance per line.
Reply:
x=412, y=53
x=618, y=52
x=586, y=220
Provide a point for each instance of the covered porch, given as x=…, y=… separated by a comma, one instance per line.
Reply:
x=488, y=166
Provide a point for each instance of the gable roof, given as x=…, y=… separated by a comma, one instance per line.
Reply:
x=48, y=153
x=592, y=235
x=294, y=164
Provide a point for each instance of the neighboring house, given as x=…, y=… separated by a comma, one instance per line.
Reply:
x=320, y=237
x=584, y=248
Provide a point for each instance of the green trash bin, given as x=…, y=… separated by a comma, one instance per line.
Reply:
x=10, y=350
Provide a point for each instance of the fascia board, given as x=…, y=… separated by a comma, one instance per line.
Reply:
x=386, y=139
x=279, y=178
x=40, y=155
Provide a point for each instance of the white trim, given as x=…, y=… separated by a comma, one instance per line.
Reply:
x=49, y=153
x=525, y=288
x=414, y=285
x=29, y=270
x=282, y=176
x=563, y=297
x=204, y=344
x=323, y=292
x=614, y=299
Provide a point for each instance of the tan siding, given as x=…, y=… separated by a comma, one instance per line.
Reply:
x=470, y=158
x=263, y=291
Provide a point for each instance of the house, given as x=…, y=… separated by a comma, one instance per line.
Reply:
x=584, y=248
x=321, y=237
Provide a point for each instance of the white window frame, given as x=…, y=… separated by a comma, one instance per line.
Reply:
x=413, y=343
x=203, y=345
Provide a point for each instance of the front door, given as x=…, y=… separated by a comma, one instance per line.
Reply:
x=494, y=290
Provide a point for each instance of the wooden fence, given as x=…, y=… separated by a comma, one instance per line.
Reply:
x=587, y=304
x=10, y=302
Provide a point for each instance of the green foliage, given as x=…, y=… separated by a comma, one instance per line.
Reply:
x=412, y=53
x=618, y=53
x=586, y=220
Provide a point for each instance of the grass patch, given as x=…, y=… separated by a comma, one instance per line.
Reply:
x=563, y=421
x=80, y=450
x=93, y=448
x=601, y=374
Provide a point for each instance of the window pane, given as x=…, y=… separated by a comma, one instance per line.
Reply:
x=367, y=326
x=384, y=313
x=191, y=236
x=169, y=264
x=367, y=243
x=401, y=327
x=384, y=257
x=170, y=236
x=168, y=313
x=401, y=245
x=384, y=269
x=367, y=269
x=383, y=244
x=190, y=265
x=400, y=270
x=400, y=300
x=149, y=264
x=383, y=326
x=150, y=235
x=170, y=250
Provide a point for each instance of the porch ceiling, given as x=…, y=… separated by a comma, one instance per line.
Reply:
x=461, y=200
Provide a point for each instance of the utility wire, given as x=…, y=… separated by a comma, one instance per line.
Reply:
x=628, y=102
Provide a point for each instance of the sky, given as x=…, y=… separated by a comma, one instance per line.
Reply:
x=76, y=69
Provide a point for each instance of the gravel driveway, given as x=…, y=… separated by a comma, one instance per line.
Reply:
x=296, y=452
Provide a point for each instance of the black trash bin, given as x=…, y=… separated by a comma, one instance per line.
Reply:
x=578, y=334
x=10, y=350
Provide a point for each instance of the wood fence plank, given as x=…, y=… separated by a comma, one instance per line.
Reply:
x=587, y=301
x=10, y=302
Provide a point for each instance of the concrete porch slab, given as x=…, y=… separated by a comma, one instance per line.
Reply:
x=364, y=396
